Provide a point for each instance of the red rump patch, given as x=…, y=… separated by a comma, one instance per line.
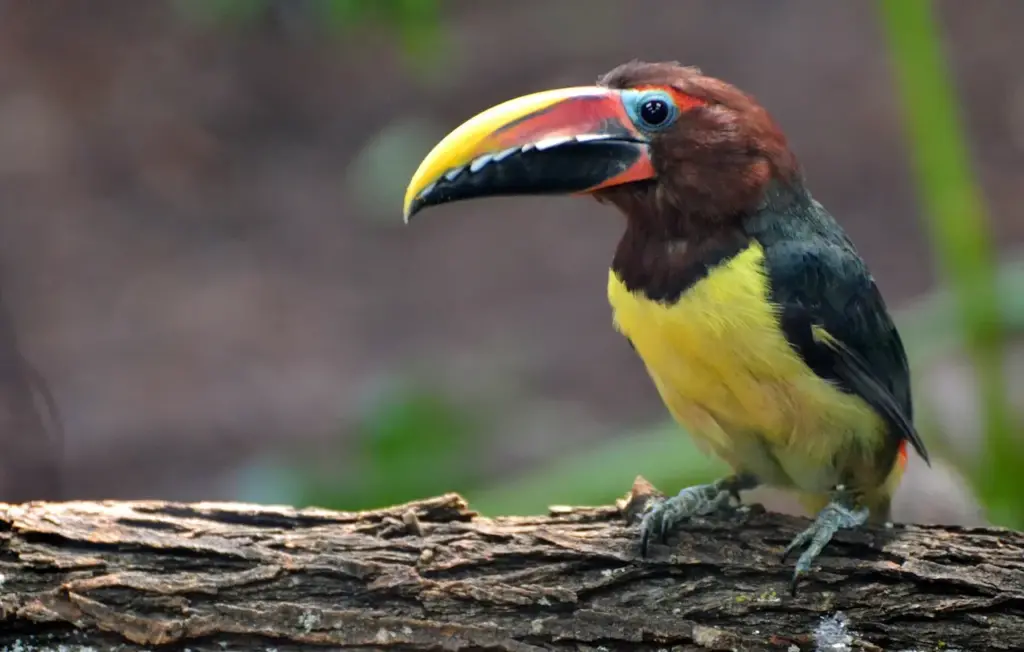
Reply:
x=903, y=454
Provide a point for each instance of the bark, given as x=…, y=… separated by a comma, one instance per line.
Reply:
x=434, y=575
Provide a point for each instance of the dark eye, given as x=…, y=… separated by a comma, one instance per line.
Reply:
x=650, y=110
x=655, y=112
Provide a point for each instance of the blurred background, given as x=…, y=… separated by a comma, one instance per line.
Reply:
x=201, y=248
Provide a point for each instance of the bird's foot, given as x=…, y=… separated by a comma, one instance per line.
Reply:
x=666, y=514
x=841, y=512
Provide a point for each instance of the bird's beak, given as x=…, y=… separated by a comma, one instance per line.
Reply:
x=570, y=140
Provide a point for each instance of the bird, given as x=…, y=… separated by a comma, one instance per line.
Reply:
x=757, y=320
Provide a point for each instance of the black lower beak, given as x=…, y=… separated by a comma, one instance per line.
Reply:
x=572, y=166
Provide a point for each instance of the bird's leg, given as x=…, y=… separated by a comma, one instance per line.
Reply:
x=667, y=514
x=841, y=512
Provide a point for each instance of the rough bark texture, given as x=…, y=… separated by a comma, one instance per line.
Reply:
x=433, y=575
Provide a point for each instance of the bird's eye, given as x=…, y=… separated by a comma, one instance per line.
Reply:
x=654, y=112
x=651, y=110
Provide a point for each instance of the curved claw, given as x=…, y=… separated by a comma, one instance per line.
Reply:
x=797, y=541
x=664, y=515
x=644, y=538
x=803, y=566
x=793, y=583
x=830, y=520
x=645, y=534
x=654, y=525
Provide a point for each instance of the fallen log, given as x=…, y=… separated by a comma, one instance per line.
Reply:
x=433, y=575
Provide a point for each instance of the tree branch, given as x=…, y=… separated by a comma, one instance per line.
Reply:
x=434, y=575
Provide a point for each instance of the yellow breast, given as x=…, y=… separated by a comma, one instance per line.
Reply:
x=726, y=372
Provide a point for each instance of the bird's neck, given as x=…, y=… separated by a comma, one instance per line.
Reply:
x=664, y=253
x=663, y=268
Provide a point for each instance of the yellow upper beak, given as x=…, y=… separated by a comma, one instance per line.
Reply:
x=519, y=147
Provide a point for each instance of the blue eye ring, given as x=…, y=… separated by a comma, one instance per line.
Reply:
x=650, y=110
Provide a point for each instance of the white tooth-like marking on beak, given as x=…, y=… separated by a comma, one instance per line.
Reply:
x=548, y=143
x=426, y=191
x=479, y=162
x=504, y=154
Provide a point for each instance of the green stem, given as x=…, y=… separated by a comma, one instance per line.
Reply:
x=957, y=223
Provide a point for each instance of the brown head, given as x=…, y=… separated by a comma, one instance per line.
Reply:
x=676, y=151
x=714, y=160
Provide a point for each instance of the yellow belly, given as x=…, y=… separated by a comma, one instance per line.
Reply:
x=726, y=372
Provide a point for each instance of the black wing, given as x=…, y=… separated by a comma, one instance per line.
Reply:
x=834, y=316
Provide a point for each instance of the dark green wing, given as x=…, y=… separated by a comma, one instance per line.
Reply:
x=834, y=316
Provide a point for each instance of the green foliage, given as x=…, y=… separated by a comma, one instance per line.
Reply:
x=598, y=475
x=932, y=329
x=410, y=442
x=414, y=442
x=958, y=225
x=415, y=23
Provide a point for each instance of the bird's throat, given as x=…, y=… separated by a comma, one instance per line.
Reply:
x=664, y=268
